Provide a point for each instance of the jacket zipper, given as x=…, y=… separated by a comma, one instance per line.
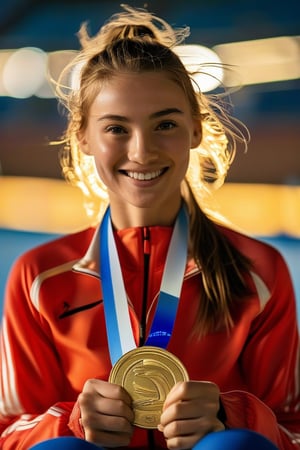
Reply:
x=146, y=250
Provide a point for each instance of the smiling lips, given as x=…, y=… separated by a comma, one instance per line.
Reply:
x=145, y=176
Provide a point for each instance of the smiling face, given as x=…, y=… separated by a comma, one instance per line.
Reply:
x=140, y=131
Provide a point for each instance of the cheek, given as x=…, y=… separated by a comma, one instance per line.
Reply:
x=98, y=148
x=183, y=150
x=101, y=163
x=184, y=157
x=185, y=163
x=106, y=162
x=103, y=173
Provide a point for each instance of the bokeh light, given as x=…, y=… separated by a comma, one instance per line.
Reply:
x=24, y=72
x=204, y=65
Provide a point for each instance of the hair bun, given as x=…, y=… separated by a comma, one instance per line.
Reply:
x=130, y=31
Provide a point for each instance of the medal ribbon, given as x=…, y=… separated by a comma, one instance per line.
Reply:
x=118, y=326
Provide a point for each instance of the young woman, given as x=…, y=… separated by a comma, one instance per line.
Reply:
x=158, y=327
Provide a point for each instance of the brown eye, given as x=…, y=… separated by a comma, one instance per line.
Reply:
x=167, y=125
x=115, y=129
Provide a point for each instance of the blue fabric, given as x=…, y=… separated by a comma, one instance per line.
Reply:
x=221, y=440
x=65, y=443
x=234, y=440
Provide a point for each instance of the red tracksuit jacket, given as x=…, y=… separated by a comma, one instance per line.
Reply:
x=53, y=338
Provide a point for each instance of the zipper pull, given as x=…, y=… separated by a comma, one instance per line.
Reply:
x=146, y=249
x=146, y=240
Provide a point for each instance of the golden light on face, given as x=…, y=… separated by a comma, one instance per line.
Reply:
x=212, y=147
x=140, y=131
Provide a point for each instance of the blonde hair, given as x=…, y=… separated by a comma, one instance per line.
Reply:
x=153, y=40
x=136, y=41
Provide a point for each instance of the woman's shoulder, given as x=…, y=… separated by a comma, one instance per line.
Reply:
x=243, y=240
x=265, y=257
x=59, y=250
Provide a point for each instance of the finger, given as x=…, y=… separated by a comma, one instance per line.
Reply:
x=186, y=433
x=107, y=421
x=105, y=415
x=198, y=427
x=94, y=406
x=106, y=430
x=188, y=390
x=106, y=389
x=107, y=439
x=189, y=410
x=202, y=400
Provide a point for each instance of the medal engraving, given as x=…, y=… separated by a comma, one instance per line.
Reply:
x=148, y=374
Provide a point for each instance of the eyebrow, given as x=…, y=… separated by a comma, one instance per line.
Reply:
x=155, y=115
x=165, y=112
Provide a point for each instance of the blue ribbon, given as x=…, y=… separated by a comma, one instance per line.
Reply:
x=118, y=326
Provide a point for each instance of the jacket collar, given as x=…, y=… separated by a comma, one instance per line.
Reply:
x=89, y=263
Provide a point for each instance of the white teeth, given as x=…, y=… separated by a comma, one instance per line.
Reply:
x=144, y=176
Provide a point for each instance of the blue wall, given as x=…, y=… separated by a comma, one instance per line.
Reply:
x=12, y=244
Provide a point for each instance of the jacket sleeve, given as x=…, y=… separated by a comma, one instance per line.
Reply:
x=270, y=365
x=28, y=429
x=32, y=384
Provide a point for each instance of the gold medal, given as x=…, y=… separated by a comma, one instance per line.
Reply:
x=148, y=373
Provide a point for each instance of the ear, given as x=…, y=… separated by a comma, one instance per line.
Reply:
x=83, y=143
x=197, y=134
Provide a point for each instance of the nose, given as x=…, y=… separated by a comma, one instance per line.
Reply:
x=142, y=148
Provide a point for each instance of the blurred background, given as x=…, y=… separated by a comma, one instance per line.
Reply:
x=262, y=38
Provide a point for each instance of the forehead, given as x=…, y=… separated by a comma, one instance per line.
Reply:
x=150, y=90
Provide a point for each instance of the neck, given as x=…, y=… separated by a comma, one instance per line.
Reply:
x=129, y=216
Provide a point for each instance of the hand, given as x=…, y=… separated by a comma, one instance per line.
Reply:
x=106, y=414
x=189, y=413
